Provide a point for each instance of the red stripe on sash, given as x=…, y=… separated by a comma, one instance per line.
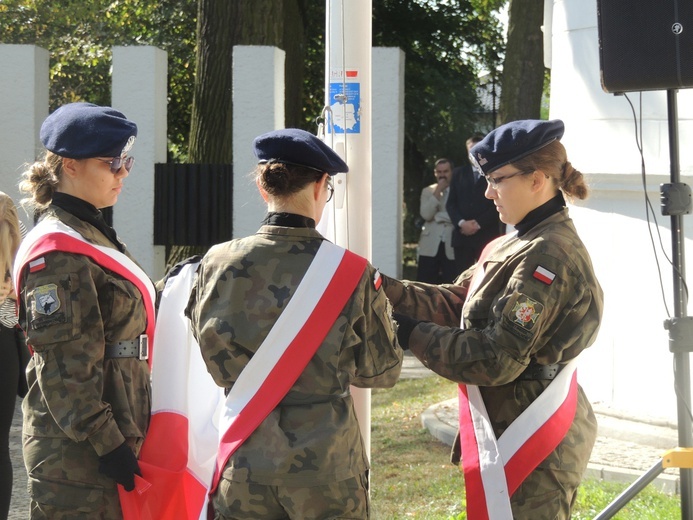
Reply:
x=476, y=497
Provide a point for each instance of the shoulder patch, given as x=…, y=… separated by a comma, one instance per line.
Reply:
x=46, y=299
x=377, y=280
x=544, y=275
x=526, y=312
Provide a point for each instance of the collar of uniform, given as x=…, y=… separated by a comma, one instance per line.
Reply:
x=274, y=218
x=88, y=213
x=544, y=211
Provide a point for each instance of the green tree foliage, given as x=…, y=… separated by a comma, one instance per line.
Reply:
x=80, y=35
x=447, y=45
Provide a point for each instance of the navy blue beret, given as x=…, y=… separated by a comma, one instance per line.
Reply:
x=513, y=141
x=300, y=148
x=84, y=130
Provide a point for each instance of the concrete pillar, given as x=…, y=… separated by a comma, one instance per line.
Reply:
x=388, y=159
x=140, y=92
x=258, y=107
x=24, y=106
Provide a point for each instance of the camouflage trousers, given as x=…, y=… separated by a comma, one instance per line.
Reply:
x=65, y=483
x=546, y=495
x=347, y=499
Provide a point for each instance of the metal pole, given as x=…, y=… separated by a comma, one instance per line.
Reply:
x=348, y=131
x=632, y=490
x=681, y=359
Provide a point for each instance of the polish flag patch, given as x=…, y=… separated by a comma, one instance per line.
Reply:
x=377, y=280
x=544, y=275
x=37, y=265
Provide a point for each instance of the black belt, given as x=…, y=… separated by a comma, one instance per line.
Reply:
x=138, y=347
x=537, y=372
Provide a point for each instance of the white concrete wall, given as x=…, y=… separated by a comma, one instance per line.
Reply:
x=388, y=159
x=23, y=107
x=630, y=366
x=258, y=107
x=140, y=90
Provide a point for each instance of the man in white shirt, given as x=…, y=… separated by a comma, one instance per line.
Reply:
x=436, y=256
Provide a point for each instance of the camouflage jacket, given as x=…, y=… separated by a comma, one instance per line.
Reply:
x=538, y=299
x=74, y=392
x=312, y=437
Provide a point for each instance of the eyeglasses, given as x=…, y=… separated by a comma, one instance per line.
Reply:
x=118, y=162
x=330, y=188
x=495, y=181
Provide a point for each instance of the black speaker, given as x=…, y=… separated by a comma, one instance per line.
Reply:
x=645, y=44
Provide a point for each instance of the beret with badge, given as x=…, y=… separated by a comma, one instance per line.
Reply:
x=299, y=148
x=84, y=130
x=513, y=141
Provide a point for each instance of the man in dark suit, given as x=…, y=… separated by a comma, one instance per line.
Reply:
x=474, y=216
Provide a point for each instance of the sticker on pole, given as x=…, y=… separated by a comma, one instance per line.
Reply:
x=345, y=101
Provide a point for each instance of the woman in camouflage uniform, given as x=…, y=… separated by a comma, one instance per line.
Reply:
x=87, y=409
x=510, y=324
x=306, y=459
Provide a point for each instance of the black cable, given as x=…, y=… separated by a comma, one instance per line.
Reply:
x=648, y=209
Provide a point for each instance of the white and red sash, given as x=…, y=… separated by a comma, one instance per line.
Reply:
x=52, y=235
x=494, y=468
x=274, y=368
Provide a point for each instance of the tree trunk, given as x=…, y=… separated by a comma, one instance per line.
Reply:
x=523, y=69
x=221, y=24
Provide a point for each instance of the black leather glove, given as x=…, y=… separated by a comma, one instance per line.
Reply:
x=121, y=465
x=405, y=325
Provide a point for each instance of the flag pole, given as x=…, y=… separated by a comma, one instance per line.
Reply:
x=348, y=132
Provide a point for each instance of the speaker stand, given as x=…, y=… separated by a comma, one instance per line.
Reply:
x=680, y=336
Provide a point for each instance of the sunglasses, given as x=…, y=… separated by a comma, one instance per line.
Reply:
x=118, y=162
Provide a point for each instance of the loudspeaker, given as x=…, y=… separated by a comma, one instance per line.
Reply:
x=645, y=44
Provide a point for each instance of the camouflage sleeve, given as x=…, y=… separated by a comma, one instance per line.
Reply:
x=65, y=329
x=441, y=304
x=553, y=319
x=379, y=358
x=212, y=332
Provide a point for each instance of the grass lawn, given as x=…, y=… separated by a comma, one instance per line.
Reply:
x=411, y=476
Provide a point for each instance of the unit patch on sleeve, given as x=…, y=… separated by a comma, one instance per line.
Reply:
x=45, y=303
x=544, y=275
x=521, y=315
x=46, y=299
x=527, y=312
